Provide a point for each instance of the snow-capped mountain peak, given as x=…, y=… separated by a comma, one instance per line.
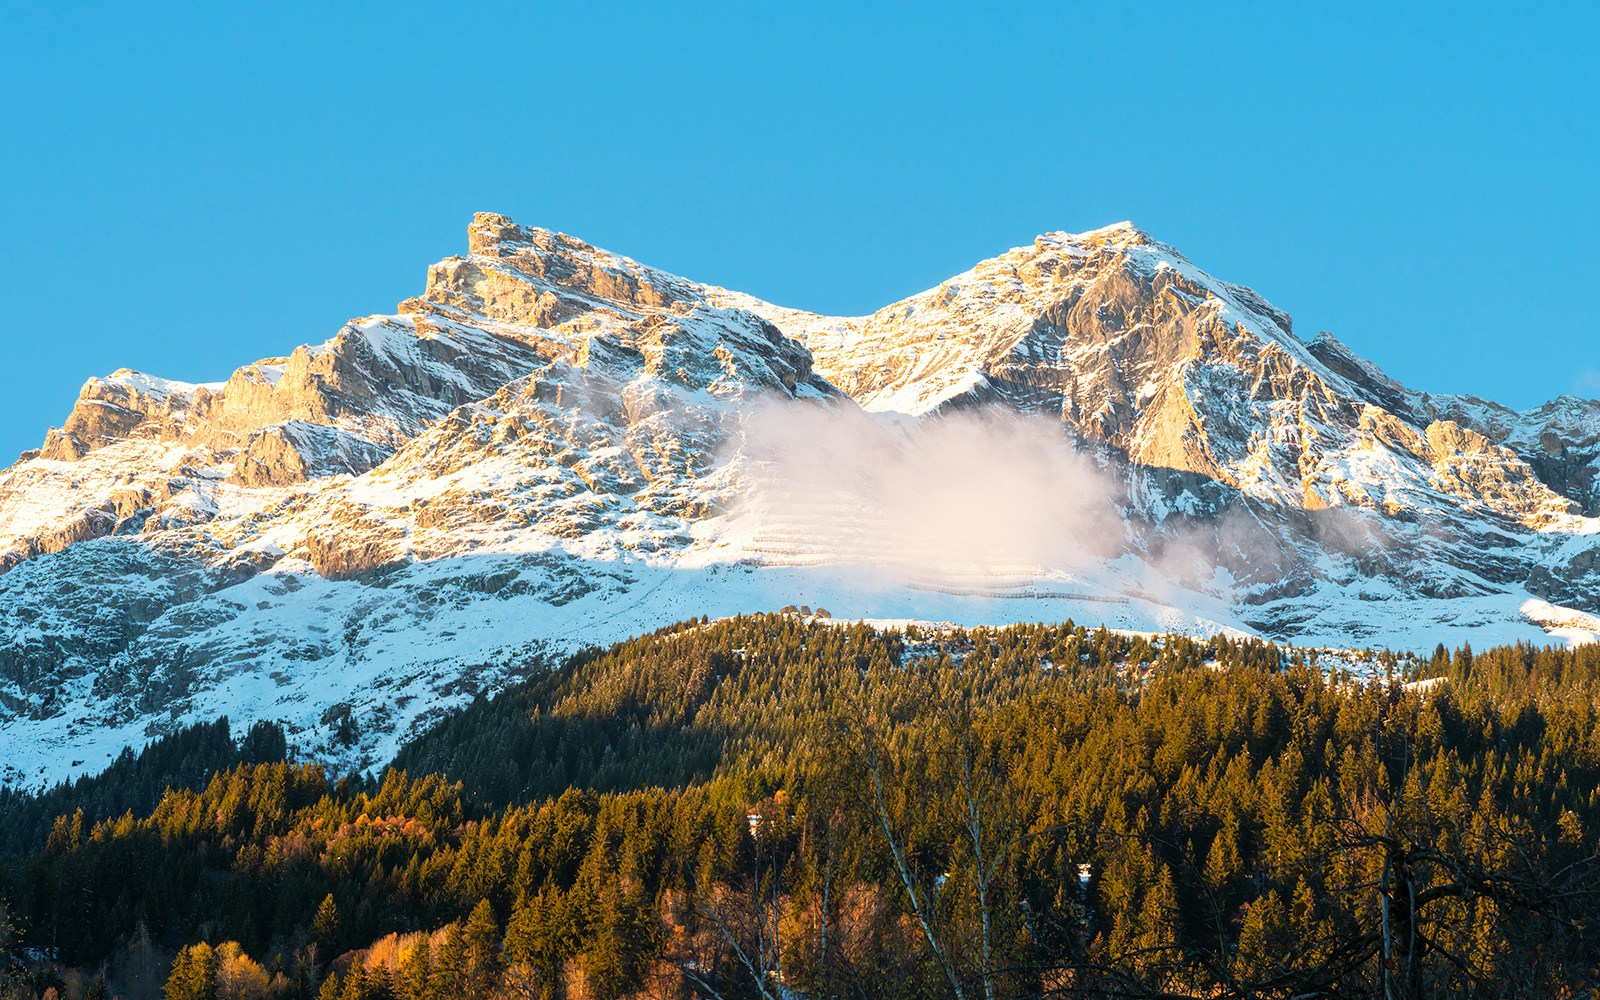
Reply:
x=553, y=445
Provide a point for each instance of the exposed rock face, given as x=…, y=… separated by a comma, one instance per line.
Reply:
x=1560, y=441
x=294, y=451
x=553, y=445
x=1131, y=345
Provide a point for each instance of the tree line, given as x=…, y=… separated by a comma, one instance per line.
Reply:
x=764, y=807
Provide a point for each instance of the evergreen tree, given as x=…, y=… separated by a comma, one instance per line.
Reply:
x=325, y=925
x=194, y=974
x=481, y=946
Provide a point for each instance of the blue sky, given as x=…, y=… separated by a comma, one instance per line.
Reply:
x=185, y=189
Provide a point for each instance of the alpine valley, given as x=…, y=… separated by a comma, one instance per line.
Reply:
x=554, y=447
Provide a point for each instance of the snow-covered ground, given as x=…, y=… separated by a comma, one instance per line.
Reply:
x=287, y=644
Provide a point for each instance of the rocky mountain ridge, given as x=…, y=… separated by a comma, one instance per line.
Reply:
x=554, y=445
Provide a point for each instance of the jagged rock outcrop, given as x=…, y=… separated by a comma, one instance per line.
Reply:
x=1559, y=440
x=553, y=445
x=1131, y=345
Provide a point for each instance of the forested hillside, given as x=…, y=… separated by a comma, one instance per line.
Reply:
x=137, y=782
x=768, y=807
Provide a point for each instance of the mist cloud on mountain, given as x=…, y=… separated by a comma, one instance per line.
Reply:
x=967, y=494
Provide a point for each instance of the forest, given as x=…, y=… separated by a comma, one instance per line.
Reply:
x=780, y=808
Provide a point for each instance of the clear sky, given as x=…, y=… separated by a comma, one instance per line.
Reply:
x=185, y=189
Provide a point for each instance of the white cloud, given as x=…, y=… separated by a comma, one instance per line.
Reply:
x=980, y=494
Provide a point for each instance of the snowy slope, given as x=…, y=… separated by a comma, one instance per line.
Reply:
x=554, y=445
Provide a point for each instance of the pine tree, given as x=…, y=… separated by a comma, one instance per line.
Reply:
x=330, y=988
x=448, y=980
x=481, y=940
x=325, y=925
x=194, y=974
x=1264, y=939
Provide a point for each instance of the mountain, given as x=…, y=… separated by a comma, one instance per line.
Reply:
x=554, y=446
